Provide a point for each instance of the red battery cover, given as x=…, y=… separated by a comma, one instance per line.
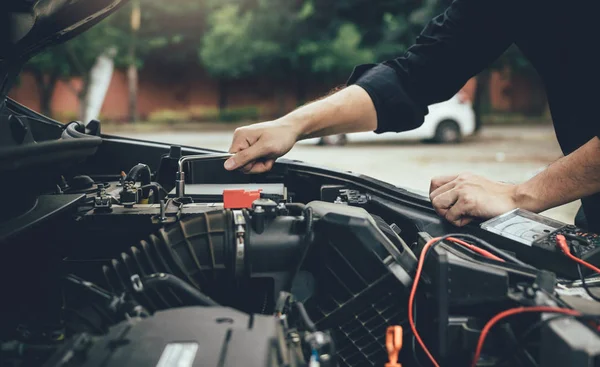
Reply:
x=240, y=199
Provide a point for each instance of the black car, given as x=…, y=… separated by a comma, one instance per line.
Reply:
x=177, y=262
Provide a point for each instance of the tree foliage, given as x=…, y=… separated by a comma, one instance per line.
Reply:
x=72, y=59
x=270, y=39
x=232, y=47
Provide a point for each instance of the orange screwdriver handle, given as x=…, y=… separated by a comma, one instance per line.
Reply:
x=393, y=343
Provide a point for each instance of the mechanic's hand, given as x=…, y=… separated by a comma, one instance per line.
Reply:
x=464, y=197
x=257, y=146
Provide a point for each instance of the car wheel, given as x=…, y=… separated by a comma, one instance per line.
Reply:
x=447, y=132
x=333, y=140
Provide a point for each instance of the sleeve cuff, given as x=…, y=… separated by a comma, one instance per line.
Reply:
x=396, y=111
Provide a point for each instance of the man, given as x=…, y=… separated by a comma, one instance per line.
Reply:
x=557, y=38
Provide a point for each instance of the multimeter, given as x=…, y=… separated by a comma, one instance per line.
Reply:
x=532, y=237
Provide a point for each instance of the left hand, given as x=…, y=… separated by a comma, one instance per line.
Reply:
x=462, y=198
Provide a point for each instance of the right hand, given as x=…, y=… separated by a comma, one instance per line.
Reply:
x=256, y=147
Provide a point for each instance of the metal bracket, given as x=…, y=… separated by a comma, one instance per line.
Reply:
x=240, y=247
x=180, y=177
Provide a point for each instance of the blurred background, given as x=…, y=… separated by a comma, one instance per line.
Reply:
x=190, y=71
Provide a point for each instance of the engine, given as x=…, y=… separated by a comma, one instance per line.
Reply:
x=164, y=269
x=140, y=269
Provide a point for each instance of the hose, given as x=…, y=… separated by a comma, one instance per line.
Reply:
x=310, y=325
x=295, y=208
x=140, y=172
x=309, y=219
x=177, y=250
x=161, y=280
x=159, y=192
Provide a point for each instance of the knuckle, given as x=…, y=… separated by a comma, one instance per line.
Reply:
x=469, y=203
x=465, y=176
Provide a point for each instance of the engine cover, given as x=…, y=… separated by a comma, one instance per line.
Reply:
x=184, y=337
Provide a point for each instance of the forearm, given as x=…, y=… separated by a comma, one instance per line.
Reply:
x=570, y=178
x=349, y=110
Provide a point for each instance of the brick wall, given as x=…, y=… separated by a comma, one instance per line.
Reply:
x=164, y=88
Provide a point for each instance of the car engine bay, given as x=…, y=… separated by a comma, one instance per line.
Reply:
x=177, y=262
x=122, y=252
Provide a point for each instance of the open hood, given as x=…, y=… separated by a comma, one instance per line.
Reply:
x=31, y=147
x=29, y=26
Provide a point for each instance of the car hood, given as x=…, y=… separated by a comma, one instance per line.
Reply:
x=29, y=26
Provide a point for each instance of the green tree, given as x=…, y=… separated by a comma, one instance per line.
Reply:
x=234, y=46
x=74, y=58
x=170, y=31
x=47, y=68
x=276, y=40
x=336, y=56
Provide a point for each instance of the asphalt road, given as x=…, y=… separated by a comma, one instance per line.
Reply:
x=507, y=153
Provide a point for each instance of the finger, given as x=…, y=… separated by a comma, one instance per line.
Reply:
x=244, y=157
x=458, y=215
x=445, y=201
x=262, y=166
x=437, y=182
x=247, y=168
x=238, y=144
x=242, y=139
x=442, y=189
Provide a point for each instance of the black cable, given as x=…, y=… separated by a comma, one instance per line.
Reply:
x=310, y=325
x=530, y=330
x=157, y=186
x=155, y=281
x=585, y=286
x=140, y=172
x=575, y=251
x=157, y=189
x=295, y=208
x=494, y=250
x=520, y=354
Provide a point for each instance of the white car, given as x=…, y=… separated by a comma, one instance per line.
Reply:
x=447, y=122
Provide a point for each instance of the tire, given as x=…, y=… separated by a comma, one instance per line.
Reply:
x=333, y=140
x=447, y=132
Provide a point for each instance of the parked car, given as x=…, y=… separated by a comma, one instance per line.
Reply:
x=447, y=123
x=181, y=263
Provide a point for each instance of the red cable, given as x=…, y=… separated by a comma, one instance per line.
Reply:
x=411, y=300
x=561, y=241
x=480, y=251
x=510, y=312
x=413, y=291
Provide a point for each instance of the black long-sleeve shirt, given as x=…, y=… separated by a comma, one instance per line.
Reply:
x=560, y=38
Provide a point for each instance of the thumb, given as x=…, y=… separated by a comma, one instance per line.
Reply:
x=243, y=157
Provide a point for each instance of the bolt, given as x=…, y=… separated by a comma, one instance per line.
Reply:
x=530, y=292
x=163, y=216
